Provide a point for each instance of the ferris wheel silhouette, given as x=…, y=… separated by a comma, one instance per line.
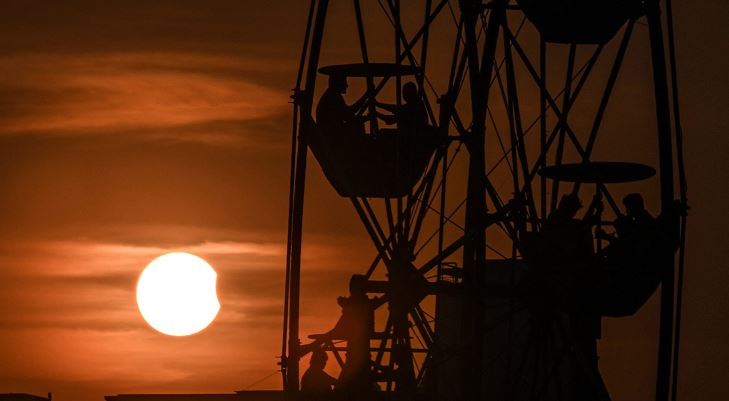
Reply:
x=485, y=282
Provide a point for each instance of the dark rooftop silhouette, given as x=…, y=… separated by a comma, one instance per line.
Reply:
x=248, y=395
x=24, y=397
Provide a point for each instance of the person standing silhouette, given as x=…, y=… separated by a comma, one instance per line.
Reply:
x=356, y=326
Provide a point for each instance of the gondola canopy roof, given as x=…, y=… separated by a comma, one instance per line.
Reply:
x=369, y=70
x=599, y=172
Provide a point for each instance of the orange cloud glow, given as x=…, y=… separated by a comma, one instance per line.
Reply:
x=92, y=93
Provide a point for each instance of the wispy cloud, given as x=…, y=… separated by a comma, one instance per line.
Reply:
x=158, y=94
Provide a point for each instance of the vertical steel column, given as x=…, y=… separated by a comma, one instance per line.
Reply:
x=305, y=125
x=665, y=148
x=543, y=123
x=292, y=174
x=474, y=249
x=424, y=49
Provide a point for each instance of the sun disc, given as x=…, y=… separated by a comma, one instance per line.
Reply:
x=176, y=294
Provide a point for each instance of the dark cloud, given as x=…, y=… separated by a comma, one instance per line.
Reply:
x=219, y=26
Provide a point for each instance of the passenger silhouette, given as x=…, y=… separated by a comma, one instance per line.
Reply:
x=333, y=114
x=636, y=217
x=630, y=228
x=410, y=117
x=569, y=263
x=315, y=381
x=356, y=326
x=567, y=239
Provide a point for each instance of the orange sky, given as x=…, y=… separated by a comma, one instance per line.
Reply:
x=127, y=131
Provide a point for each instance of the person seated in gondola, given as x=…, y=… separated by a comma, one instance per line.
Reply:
x=630, y=228
x=636, y=218
x=567, y=240
x=333, y=115
x=411, y=117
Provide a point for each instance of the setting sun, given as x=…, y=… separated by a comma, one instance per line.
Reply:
x=176, y=294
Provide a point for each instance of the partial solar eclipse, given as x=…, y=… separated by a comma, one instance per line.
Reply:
x=176, y=294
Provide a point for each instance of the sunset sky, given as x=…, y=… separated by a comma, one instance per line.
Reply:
x=131, y=129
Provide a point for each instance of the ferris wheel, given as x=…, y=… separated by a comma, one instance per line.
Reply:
x=489, y=284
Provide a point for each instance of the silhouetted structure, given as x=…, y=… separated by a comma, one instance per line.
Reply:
x=488, y=299
x=577, y=21
x=249, y=395
x=24, y=397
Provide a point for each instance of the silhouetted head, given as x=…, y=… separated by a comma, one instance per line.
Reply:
x=410, y=92
x=318, y=359
x=338, y=83
x=357, y=284
x=633, y=204
x=569, y=205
